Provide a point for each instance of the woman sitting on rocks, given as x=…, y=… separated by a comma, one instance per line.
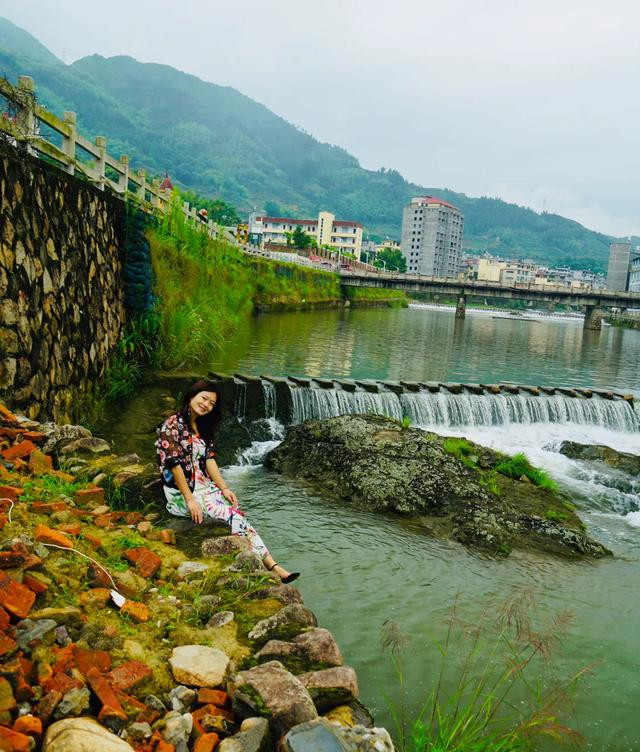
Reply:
x=192, y=482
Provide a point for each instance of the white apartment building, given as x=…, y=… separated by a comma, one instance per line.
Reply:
x=431, y=238
x=341, y=234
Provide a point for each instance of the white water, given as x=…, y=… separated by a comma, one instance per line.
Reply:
x=450, y=411
x=535, y=425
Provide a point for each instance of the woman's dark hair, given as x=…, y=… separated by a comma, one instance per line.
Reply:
x=208, y=423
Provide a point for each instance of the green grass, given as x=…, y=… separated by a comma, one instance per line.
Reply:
x=519, y=466
x=207, y=288
x=494, y=688
x=49, y=487
x=462, y=449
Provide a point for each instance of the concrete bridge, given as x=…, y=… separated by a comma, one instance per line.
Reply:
x=593, y=301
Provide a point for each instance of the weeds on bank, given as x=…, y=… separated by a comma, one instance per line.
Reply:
x=461, y=449
x=519, y=465
x=493, y=690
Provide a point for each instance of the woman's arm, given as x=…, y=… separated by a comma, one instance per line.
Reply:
x=214, y=474
x=192, y=505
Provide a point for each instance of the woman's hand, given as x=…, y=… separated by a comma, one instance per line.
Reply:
x=195, y=510
x=230, y=496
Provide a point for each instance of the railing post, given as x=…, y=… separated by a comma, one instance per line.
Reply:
x=155, y=185
x=123, y=180
x=26, y=110
x=101, y=143
x=142, y=190
x=69, y=142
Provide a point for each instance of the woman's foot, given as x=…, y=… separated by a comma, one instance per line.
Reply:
x=284, y=574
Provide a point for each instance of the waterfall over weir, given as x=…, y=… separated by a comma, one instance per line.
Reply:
x=446, y=410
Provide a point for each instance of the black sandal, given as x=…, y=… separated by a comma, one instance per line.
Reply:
x=289, y=578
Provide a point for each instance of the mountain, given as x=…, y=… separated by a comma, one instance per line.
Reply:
x=216, y=141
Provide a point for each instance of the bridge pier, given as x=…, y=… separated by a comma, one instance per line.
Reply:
x=592, y=318
x=461, y=306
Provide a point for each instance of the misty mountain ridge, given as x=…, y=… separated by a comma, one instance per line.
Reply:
x=215, y=140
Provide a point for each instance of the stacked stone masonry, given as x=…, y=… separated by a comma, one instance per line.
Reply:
x=61, y=302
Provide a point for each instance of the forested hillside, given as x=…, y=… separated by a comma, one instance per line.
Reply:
x=218, y=142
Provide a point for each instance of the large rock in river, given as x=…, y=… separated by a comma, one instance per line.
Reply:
x=623, y=461
x=376, y=463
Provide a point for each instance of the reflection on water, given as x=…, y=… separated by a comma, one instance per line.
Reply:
x=419, y=344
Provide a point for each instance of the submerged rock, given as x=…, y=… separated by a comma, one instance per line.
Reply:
x=321, y=735
x=378, y=464
x=623, y=461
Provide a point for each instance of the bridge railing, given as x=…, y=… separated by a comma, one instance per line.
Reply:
x=483, y=285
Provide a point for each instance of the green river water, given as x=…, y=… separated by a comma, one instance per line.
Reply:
x=361, y=569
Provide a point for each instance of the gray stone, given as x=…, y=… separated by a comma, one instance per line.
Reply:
x=62, y=636
x=177, y=729
x=198, y=665
x=88, y=445
x=189, y=568
x=284, y=593
x=310, y=651
x=82, y=735
x=225, y=545
x=331, y=686
x=74, y=703
x=28, y=630
x=182, y=698
x=139, y=731
x=247, y=561
x=270, y=690
x=221, y=619
x=623, y=461
x=58, y=435
x=286, y=623
x=323, y=736
x=155, y=703
x=254, y=736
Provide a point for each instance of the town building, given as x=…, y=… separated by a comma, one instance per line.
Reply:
x=621, y=257
x=634, y=275
x=343, y=235
x=431, y=238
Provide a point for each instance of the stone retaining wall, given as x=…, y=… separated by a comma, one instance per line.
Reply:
x=61, y=300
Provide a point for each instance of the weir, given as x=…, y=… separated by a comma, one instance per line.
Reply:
x=296, y=399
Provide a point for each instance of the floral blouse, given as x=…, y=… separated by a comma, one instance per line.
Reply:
x=174, y=447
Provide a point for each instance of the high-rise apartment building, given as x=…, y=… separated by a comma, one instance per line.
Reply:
x=621, y=256
x=431, y=238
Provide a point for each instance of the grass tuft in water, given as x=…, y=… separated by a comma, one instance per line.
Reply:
x=494, y=689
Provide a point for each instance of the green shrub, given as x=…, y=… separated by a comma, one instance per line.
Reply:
x=519, y=465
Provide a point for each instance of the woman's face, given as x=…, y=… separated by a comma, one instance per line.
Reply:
x=203, y=402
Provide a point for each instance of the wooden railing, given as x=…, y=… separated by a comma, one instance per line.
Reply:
x=24, y=125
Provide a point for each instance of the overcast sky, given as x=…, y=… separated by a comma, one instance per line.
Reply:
x=536, y=101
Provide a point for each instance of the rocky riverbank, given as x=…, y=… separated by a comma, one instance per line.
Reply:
x=192, y=652
x=455, y=488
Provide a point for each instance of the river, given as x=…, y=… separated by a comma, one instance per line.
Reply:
x=360, y=569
